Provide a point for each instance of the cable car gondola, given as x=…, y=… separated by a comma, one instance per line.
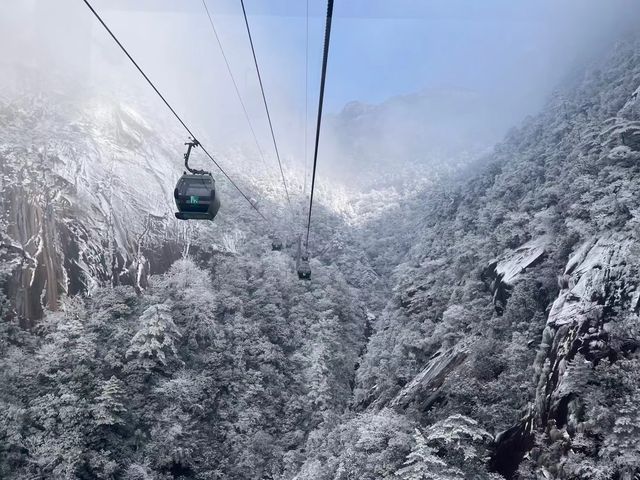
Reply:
x=276, y=244
x=195, y=193
x=303, y=267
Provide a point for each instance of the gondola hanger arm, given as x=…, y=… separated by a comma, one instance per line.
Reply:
x=191, y=144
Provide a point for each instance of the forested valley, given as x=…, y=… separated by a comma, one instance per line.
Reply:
x=477, y=323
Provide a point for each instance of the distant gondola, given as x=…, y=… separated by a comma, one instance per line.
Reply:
x=302, y=262
x=303, y=267
x=276, y=244
x=195, y=193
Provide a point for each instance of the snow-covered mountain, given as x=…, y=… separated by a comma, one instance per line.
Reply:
x=476, y=328
x=517, y=305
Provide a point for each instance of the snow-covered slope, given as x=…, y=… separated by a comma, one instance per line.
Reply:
x=517, y=305
x=87, y=190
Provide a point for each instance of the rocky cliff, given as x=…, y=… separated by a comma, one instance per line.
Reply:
x=86, y=190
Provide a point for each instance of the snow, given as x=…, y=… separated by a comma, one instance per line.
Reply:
x=516, y=262
x=78, y=167
x=596, y=264
x=430, y=379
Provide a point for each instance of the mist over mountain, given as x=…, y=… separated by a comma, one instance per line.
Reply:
x=436, y=132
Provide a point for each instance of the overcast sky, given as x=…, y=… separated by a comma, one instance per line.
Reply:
x=382, y=48
x=513, y=51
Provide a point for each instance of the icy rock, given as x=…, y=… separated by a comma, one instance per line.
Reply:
x=88, y=218
x=593, y=270
x=425, y=387
x=503, y=273
x=600, y=282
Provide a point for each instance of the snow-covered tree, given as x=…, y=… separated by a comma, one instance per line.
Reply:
x=422, y=463
x=155, y=339
x=108, y=407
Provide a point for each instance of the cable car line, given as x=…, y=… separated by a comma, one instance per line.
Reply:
x=233, y=80
x=264, y=99
x=325, y=55
x=175, y=114
x=306, y=101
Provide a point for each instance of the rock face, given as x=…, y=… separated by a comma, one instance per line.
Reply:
x=595, y=273
x=425, y=387
x=41, y=279
x=502, y=274
x=599, y=285
x=73, y=209
x=599, y=280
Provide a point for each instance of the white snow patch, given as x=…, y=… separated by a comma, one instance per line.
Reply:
x=516, y=262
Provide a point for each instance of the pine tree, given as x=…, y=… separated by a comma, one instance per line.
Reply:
x=109, y=409
x=422, y=463
x=156, y=337
x=621, y=446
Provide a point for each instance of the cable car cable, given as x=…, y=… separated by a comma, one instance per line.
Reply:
x=264, y=98
x=325, y=56
x=170, y=107
x=306, y=102
x=233, y=80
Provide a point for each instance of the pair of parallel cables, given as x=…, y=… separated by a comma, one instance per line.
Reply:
x=320, y=103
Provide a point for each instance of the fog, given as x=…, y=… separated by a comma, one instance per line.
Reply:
x=508, y=56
